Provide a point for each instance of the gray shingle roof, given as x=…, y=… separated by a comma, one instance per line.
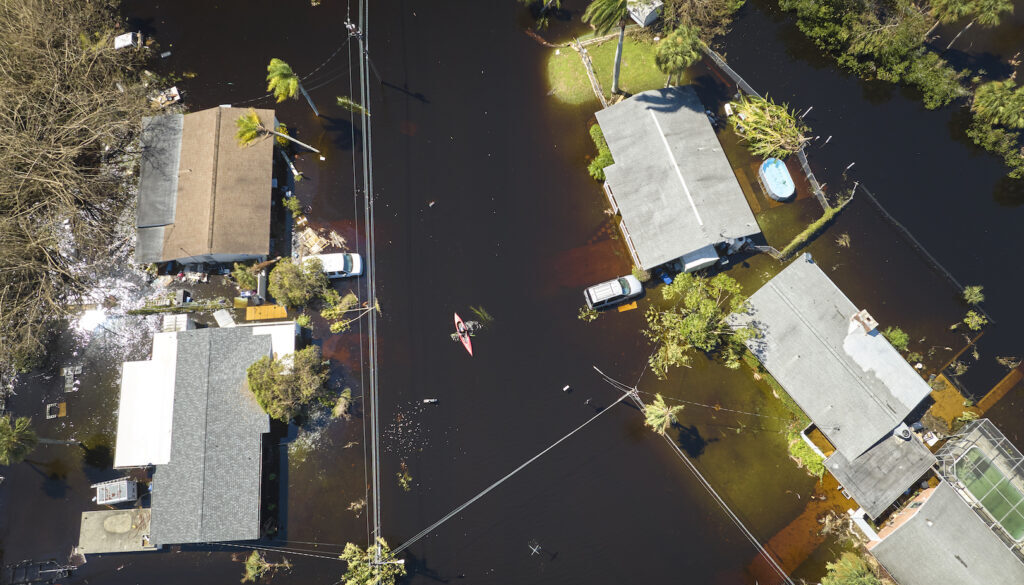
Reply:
x=883, y=473
x=671, y=181
x=945, y=542
x=210, y=489
x=854, y=385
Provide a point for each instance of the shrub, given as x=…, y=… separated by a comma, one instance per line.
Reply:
x=939, y=83
x=897, y=338
x=294, y=205
x=604, y=154
x=805, y=456
x=975, y=320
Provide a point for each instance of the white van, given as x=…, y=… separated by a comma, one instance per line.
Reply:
x=339, y=265
x=613, y=292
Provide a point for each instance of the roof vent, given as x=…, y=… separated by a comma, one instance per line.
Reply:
x=865, y=320
x=902, y=432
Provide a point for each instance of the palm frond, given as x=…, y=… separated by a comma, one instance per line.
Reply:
x=281, y=80
x=249, y=127
x=605, y=15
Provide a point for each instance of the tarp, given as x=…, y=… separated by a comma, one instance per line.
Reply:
x=147, y=407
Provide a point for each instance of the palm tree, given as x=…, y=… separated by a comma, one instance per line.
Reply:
x=1000, y=103
x=660, y=416
x=770, y=130
x=604, y=15
x=973, y=295
x=283, y=82
x=676, y=52
x=17, y=439
x=250, y=127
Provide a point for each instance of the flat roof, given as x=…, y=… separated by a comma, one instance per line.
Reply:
x=946, y=542
x=671, y=181
x=146, y=406
x=853, y=384
x=883, y=473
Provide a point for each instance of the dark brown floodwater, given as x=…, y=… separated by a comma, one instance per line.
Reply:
x=463, y=118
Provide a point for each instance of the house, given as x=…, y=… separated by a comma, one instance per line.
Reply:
x=833, y=361
x=937, y=538
x=644, y=12
x=202, y=197
x=671, y=183
x=188, y=412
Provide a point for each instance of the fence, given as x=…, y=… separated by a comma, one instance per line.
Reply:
x=749, y=89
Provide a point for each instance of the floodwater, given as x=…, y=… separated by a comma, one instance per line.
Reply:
x=482, y=200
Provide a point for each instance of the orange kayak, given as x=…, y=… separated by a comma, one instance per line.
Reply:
x=463, y=333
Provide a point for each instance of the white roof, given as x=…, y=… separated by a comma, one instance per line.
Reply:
x=282, y=337
x=147, y=406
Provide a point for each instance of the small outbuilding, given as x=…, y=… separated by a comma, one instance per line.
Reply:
x=644, y=12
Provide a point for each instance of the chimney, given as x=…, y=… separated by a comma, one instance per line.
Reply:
x=865, y=320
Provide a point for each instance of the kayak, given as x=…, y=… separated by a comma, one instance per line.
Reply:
x=463, y=332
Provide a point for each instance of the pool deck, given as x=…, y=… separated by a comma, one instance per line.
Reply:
x=115, y=531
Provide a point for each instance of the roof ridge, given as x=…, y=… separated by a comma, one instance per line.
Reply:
x=213, y=180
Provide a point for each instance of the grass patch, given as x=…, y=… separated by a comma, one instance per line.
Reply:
x=805, y=456
x=568, y=79
x=812, y=230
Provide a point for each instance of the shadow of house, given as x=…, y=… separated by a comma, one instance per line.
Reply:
x=671, y=183
x=202, y=197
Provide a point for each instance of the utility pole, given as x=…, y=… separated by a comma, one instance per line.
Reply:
x=353, y=31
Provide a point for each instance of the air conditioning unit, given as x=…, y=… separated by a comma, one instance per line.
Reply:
x=902, y=432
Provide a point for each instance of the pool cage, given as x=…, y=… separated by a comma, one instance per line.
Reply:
x=987, y=471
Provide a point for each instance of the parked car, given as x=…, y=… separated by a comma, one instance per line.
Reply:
x=613, y=292
x=339, y=265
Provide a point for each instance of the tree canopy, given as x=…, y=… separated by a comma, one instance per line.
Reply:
x=284, y=386
x=17, y=439
x=677, y=51
x=695, y=320
x=1000, y=103
x=281, y=80
x=604, y=15
x=362, y=569
x=660, y=416
x=70, y=113
x=770, y=130
x=973, y=294
x=294, y=285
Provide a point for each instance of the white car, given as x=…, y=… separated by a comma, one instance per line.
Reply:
x=339, y=265
x=613, y=292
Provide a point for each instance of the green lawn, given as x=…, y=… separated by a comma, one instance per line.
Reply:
x=568, y=78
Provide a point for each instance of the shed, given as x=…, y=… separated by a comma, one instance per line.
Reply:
x=644, y=12
x=671, y=182
x=883, y=473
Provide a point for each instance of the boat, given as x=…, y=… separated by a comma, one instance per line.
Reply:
x=463, y=332
x=776, y=180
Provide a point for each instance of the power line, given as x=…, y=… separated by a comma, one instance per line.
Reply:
x=487, y=490
x=274, y=549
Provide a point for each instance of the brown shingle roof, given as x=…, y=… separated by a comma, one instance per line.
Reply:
x=223, y=199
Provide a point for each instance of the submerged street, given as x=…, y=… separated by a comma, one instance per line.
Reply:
x=483, y=207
